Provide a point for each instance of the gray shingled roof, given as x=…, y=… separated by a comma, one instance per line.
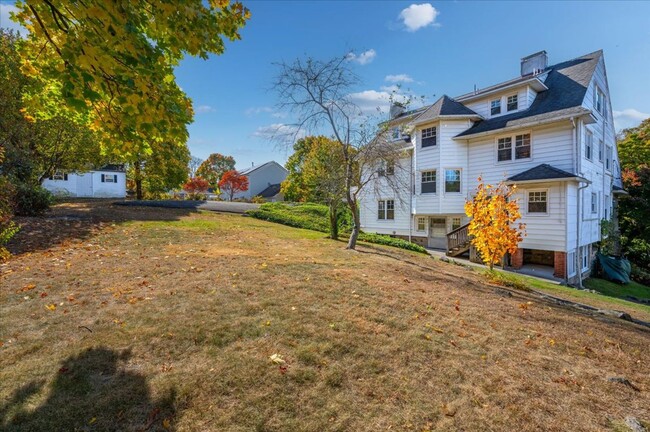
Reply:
x=270, y=191
x=542, y=172
x=445, y=106
x=567, y=84
x=249, y=170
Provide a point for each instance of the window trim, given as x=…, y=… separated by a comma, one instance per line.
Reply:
x=594, y=203
x=588, y=134
x=435, y=181
x=492, y=107
x=460, y=181
x=609, y=157
x=599, y=92
x=385, y=209
x=434, y=135
x=548, y=203
x=513, y=147
x=417, y=223
x=516, y=102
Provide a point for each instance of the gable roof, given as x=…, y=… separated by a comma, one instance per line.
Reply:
x=249, y=170
x=543, y=172
x=567, y=84
x=445, y=106
x=270, y=191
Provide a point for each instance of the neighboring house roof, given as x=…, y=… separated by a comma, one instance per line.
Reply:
x=249, y=170
x=111, y=167
x=270, y=191
x=543, y=172
x=443, y=107
x=567, y=84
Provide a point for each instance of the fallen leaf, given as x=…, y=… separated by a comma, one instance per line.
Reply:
x=277, y=358
x=51, y=307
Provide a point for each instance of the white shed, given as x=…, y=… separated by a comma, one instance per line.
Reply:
x=107, y=182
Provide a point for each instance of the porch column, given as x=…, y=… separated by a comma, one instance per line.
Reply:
x=559, y=265
x=517, y=259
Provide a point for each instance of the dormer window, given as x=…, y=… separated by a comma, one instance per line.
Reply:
x=513, y=103
x=495, y=107
x=429, y=137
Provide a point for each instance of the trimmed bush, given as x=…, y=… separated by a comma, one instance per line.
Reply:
x=31, y=200
x=315, y=217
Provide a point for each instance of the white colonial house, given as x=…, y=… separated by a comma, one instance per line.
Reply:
x=106, y=182
x=550, y=131
x=264, y=180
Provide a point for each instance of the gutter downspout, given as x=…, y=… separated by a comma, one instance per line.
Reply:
x=578, y=253
x=411, y=193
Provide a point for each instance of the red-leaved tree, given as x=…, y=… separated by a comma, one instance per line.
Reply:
x=232, y=182
x=196, y=185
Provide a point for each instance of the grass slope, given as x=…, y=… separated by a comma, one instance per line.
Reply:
x=632, y=289
x=315, y=217
x=165, y=320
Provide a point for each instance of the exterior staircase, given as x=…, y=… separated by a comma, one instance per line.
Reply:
x=458, y=241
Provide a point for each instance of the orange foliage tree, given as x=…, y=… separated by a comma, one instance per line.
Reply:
x=196, y=185
x=232, y=182
x=493, y=214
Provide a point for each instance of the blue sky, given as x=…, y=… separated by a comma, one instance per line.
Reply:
x=441, y=47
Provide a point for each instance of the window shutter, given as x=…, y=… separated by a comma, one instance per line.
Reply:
x=103, y=178
x=115, y=178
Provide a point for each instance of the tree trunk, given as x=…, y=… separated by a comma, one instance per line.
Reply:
x=356, y=224
x=138, y=180
x=334, y=220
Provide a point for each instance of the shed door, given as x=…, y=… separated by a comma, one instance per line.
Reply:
x=438, y=233
x=85, y=185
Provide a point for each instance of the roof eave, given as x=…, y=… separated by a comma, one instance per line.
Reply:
x=442, y=117
x=576, y=179
x=538, y=86
x=524, y=125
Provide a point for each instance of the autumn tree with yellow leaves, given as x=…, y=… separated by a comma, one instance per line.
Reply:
x=493, y=226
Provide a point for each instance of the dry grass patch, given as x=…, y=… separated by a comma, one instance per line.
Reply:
x=166, y=320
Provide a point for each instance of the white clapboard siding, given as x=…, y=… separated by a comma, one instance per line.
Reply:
x=544, y=231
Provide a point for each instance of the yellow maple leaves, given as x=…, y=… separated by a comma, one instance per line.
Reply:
x=493, y=227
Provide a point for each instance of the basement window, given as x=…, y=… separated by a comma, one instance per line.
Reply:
x=422, y=223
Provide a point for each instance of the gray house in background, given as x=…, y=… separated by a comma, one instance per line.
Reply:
x=264, y=180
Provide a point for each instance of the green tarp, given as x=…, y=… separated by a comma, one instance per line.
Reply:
x=614, y=269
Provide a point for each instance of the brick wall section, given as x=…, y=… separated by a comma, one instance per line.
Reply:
x=517, y=259
x=559, y=264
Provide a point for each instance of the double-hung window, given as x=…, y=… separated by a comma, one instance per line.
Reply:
x=589, y=145
x=429, y=137
x=504, y=149
x=594, y=203
x=600, y=150
x=455, y=223
x=512, y=103
x=495, y=107
x=599, y=100
x=109, y=178
x=522, y=146
x=608, y=158
x=59, y=176
x=521, y=150
x=452, y=180
x=429, y=181
x=386, y=209
x=538, y=202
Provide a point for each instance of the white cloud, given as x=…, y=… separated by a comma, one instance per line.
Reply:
x=278, y=132
x=258, y=110
x=374, y=102
x=628, y=118
x=363, y=58
x=202, y=109
x=418, y=16
x=5, y=20
x=400, y=78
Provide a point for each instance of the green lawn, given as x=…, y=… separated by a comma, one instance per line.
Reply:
x=633, y=289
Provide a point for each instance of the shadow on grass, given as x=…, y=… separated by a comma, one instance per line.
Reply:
x=92, y=391
x=80, y=219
